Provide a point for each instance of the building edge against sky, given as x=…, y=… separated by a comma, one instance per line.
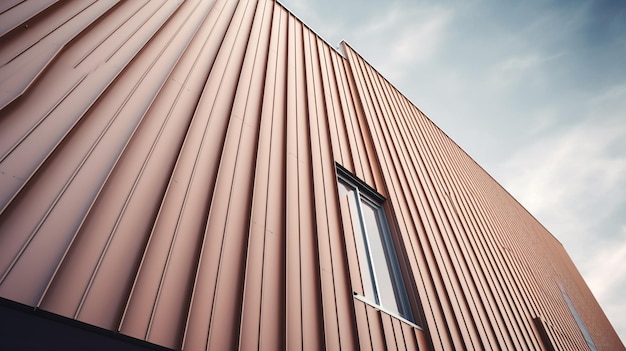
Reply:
x=169, y=179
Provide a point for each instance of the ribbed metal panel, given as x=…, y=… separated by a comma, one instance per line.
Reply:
x=167, y=171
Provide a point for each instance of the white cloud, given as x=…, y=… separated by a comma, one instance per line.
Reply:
x=412, y=34
x=585, y=161
x=606, y=277
x=520, y=63
x=402, y=37
x=562, y=168
x=607, y=270
x=609, y=100
x=529, y=65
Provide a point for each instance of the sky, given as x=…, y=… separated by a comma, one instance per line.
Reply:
x=534, y=91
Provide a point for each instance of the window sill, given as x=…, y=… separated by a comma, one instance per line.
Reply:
x=386, y=311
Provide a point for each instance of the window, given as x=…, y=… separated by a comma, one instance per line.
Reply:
x=381, y=277
x=579, y=320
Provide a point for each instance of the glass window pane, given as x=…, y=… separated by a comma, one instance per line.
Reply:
x=378, y=263
x=381, y=257
x=364, y=266
x=344, y=188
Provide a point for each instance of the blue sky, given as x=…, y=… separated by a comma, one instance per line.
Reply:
x=534, y=91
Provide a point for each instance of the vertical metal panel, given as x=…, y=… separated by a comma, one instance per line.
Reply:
x=273, y=312
x=410, y=339
x=446, y=201
x=15, y=12
x=420, y=223
x=225, y=108
x=263, y=230
x=443, y=225
x=293, y=303
x=389, y=335
x=27, y=50
x=312, y=328
x=167, y=170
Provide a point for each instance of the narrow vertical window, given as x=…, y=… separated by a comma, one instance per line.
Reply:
x=579, y=320
x=378, y=262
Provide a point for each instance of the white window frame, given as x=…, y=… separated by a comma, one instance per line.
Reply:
x=365, y=194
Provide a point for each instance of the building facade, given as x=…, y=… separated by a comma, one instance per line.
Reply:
x=212, y=175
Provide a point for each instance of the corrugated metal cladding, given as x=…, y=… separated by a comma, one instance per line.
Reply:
x=167, y=171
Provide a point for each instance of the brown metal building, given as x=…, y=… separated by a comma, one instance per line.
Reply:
x=211, y=175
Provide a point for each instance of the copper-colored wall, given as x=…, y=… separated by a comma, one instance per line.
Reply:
x=167, y=170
